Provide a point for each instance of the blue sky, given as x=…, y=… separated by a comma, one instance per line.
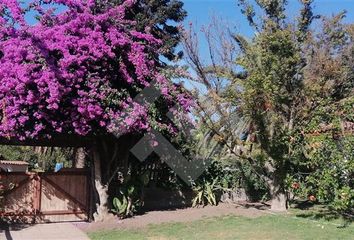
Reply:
x=199, y=11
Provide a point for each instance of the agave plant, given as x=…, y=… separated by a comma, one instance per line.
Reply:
x=205, y=193
x=128, y=201
x=120, y=205
x=129, y=197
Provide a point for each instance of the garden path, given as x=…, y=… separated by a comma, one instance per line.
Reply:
x=52, y=231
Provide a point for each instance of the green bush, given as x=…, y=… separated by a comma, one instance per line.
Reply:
x=344, y=201
x=329, y=177
x=128, y=198
x=215, y=181
x=206, y=193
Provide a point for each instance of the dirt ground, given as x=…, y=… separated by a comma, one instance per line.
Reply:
x=177, y=215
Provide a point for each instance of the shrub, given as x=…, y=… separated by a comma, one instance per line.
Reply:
x=129, y=199
x=329, y=176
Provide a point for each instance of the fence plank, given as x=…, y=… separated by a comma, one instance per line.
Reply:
x=65, y=193
x=48, y=197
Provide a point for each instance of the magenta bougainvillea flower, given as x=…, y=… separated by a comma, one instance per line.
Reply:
x=75, y=71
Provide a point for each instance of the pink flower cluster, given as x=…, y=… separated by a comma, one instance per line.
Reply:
x=73, y=72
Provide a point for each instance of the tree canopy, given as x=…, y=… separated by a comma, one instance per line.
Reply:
x=76, y=71
x=267, y=93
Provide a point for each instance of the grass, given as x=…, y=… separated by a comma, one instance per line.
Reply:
x=288, y=226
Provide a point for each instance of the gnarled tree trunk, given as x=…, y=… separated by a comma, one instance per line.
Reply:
x=110, y=159
x=100, y=191
x=279, y=199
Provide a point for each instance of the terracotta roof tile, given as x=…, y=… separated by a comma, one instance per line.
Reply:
x=13, y=162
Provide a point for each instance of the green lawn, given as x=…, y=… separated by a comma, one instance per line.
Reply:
x=232, y=227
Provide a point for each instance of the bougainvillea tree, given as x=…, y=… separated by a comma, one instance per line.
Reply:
x=76, y=70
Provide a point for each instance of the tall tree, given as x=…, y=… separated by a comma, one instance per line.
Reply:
x=266, y=94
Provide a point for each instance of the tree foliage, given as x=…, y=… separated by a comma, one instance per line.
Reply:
x=76, y=71
x=286, y=79
x=160, y=17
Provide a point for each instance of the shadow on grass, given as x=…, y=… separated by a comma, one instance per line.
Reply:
x=257, y=205
x=313, y=211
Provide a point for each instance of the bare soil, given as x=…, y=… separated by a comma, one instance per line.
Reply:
x=176, y=215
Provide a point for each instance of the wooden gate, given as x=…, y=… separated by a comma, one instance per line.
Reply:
x=47, y=197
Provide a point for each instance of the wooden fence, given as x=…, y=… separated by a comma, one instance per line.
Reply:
x=46, y=197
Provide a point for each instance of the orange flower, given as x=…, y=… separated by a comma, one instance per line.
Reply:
x=312, y=198
x=295, y=185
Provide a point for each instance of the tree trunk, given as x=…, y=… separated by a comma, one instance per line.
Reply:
x=110, y=157
x=79, y=158
x=279, y=199
x=101, y=195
